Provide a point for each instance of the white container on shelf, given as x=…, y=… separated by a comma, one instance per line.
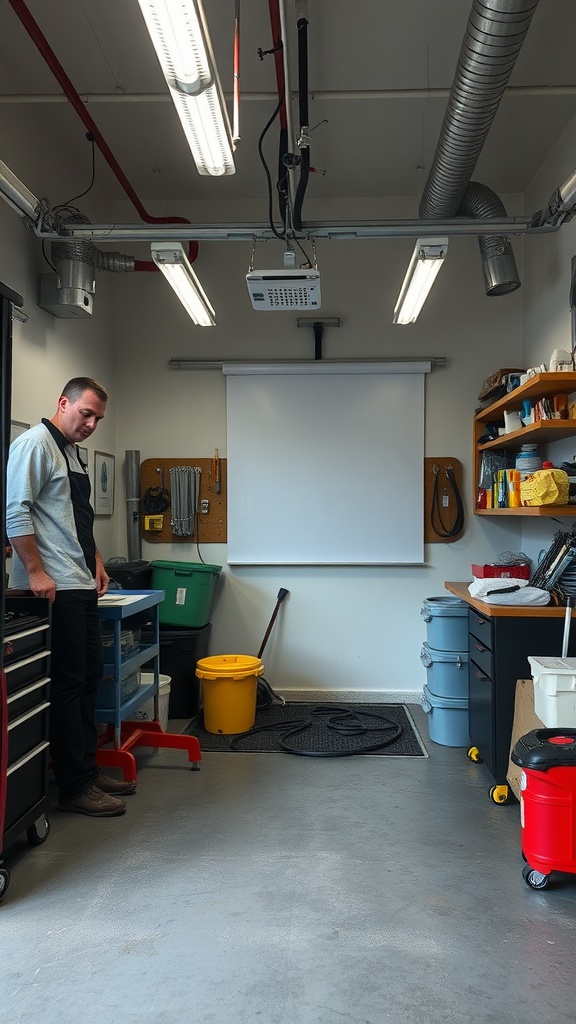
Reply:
x=145, y=712
x=554, y=691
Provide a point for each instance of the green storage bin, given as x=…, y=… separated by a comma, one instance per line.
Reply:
x=189, y=590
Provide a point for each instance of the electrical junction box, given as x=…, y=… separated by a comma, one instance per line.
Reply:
x=154, y=522
x=64, y=303
x=284, y=289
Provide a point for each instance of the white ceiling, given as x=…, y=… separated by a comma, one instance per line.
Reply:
x=369, y=147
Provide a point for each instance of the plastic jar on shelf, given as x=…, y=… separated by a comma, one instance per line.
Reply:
x=528, y=460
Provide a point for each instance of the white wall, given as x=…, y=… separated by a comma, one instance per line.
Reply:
x=47, y=352
x=341, y=628
x=547, y=318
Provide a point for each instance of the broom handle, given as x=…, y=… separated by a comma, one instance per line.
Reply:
x=281, y=595
x=566, y=626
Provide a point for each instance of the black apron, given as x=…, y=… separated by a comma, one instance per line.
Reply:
x=80, y=495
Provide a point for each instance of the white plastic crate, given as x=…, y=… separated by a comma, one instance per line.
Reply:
x=554, y=691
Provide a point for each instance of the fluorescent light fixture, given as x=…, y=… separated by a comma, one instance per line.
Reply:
x=426, y=261
x=16, y=194
x=177, y=269
x=179, y=34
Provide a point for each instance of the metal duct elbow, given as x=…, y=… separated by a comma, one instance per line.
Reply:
x=498, y=262
x=494, y=35
x=115, y=262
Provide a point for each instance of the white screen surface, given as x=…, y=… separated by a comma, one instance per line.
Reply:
x=325, y=464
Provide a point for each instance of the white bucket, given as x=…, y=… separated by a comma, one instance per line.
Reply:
x=145, y=712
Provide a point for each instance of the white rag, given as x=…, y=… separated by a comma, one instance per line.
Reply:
x=507, y=591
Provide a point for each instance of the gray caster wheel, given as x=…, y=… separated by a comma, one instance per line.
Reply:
x=4, y=881
x=535, y=879
x=38, y=831
x=195, y=766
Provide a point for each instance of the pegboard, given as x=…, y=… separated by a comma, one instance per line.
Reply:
x=212, y=526
x=446, y=499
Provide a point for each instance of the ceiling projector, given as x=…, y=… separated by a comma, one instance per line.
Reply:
x=284, y=289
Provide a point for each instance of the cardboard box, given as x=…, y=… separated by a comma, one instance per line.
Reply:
x=525, y=721
x=518, y=572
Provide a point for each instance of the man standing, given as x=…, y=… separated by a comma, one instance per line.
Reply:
x=49, y=523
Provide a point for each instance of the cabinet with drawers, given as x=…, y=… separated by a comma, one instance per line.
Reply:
x=500, y=639
x=25, y=703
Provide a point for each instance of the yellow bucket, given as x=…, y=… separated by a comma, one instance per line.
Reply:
x=229, y=692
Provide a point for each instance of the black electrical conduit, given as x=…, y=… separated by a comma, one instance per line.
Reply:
x=302, y=25
x=46, y=51
x=277, y=47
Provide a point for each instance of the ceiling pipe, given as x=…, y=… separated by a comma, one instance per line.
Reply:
x=46, y=51
x=304, y=134
x=16, y=98
x=284, y=182
x=494, y=35
x=332, y=231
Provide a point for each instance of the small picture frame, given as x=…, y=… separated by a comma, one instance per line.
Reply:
x=103, y=484
x=17, y=428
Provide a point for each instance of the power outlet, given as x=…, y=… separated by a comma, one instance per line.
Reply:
x=204, y=505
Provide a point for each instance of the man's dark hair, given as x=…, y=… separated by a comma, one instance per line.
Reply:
x=76, y=387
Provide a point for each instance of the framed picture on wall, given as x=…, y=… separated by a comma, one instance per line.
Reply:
x=17, y=428
x=103, y=484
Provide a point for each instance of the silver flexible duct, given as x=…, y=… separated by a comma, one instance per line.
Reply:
x=132, y=464
x=494, y=36
x=498, y=263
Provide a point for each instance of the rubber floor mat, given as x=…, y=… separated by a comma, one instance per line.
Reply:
x=322, y=730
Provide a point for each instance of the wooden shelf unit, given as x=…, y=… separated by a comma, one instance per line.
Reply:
x=542, y=385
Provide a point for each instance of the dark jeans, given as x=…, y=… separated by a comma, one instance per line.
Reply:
x=76, y=669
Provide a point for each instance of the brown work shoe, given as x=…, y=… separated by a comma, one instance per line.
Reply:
x=94, y=802
x=117, y=787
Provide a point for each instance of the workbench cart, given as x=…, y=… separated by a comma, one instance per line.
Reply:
x=119, y=695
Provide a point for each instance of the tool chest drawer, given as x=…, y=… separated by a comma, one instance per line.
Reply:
x=480, y=626
x=24, y=642
x=26, y=781
x=481, y=656
x=28, y=670
x=27, y=731
x=29, y=697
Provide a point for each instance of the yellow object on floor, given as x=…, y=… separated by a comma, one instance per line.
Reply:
x=229, y=688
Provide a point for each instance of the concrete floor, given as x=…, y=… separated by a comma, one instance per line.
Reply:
x=289, y=890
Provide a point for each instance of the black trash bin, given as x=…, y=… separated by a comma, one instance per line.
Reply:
x=131, y=575
x=135, y=575
x=180, y=650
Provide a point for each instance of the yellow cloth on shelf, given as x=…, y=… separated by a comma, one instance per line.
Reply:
x=545, y=487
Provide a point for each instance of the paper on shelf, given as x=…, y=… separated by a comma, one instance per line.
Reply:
x=116, y=599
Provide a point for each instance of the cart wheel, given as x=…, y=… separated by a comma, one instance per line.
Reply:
x=535, y=879
x=39, y=831
x=4, y=881
x=474, y=755
x=499, y=794
x=195, y=766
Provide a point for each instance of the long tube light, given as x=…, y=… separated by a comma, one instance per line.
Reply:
x=178, y=271
x=179, y=34
x=20, y=198
x=424, y=266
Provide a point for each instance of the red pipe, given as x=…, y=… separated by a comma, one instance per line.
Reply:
x=42, y=44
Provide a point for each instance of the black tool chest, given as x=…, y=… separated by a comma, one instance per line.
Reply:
x=24, y=714
x=499, y=646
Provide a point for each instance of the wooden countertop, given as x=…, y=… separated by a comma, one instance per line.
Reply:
x=511, y=610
